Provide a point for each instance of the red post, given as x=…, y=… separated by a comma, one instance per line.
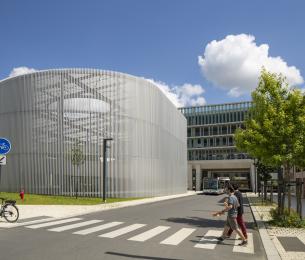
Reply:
x=21, y=194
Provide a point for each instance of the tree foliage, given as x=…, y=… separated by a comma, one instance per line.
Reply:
x=275, y=126
x=77, y=156
x=264, y=171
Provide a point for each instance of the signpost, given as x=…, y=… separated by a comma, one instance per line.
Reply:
x=104, y=166
x=2, y=159
x=5, y=147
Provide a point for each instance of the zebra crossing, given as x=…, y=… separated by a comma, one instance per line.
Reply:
x=119, y=229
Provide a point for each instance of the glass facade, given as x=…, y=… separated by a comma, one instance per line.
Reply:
x=47, y=114
x=210, y=130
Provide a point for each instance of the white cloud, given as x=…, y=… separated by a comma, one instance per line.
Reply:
x=235, y=63
x=184, y=95
x=20, y=71
x=235, y=92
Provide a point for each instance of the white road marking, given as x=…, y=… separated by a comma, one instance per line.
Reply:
x=72, y=226
x=11, y=225
x=149, y=234
x=248, y=249
x=209, y=241
x=178, y=237
x=53, y=223
x=97, y=228
x=122, y=231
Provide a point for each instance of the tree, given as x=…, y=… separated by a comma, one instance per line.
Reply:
x=275, y=126
x=263, y=172
x=77, y=159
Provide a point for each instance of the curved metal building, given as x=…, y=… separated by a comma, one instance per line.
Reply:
x=57, y=119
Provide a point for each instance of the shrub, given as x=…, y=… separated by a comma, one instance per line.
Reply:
x=286, y=220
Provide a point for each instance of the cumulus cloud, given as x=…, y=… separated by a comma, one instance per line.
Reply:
x=182, y=95
x=235, y=63
x=20, y=71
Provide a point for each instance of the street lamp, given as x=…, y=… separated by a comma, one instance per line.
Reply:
x=104, y=165
x=255, y=175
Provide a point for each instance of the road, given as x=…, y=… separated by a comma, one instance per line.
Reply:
x=181, y=228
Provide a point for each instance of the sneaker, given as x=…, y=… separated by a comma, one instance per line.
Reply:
x=220, y=239
x=245, y=242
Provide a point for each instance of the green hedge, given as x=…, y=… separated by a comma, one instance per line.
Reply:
x=286, y=220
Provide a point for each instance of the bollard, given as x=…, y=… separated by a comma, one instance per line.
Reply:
x=21, y=194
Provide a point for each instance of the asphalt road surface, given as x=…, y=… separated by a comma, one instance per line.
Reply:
x=181, y=228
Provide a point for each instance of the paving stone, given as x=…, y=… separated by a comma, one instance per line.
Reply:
x=292, y=244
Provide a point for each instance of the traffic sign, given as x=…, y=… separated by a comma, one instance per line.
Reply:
x=2, y=159
x=5, y=145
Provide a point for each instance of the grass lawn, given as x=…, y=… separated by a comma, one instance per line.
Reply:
x=33, y=199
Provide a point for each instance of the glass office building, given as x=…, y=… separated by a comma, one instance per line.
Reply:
x=51, y=116
x=210, y=144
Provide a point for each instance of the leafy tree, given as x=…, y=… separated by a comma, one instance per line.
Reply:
x=77, y=159
x=275, y=127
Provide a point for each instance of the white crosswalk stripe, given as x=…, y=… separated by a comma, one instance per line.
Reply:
x=72, y=226
x=149, y=234
x=209, y=240
x=53, y=223
x=122, y=231
x=178, y=237
x=249, y=248
x=97, y=228
x=12, y=225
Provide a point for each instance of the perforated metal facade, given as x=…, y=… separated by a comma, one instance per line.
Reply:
x=47, y=114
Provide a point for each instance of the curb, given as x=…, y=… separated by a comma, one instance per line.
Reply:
x=270, y=249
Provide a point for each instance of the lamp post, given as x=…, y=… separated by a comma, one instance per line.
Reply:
x=255, y=175
x=105, y=165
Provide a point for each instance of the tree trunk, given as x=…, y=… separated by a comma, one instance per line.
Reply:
x=76, y=194
x=265, y=190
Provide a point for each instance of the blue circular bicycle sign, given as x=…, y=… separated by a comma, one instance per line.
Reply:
x=5, y=146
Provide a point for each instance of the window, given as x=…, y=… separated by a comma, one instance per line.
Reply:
x=206, y=131
x=224, y=130
x=224, y=141
x=230, y=141
x=211, y=142
x=205, y=142
x=217, y=141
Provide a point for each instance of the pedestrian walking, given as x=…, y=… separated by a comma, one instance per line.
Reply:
x=240, y=212
x=231, y=222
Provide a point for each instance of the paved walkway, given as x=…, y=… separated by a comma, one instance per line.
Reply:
x=289, y=242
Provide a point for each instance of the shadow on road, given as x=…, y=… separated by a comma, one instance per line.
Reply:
x=204, y=222
x=198, y=222
x=140, y=256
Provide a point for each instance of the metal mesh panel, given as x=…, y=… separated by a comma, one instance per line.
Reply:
x=47, y=114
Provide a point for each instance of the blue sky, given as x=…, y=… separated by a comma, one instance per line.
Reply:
x=160, y=40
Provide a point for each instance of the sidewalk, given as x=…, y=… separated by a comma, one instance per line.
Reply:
x=62, y=211
x=279, y=243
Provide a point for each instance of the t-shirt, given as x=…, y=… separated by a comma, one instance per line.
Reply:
x=232, y=200
x=239, y=196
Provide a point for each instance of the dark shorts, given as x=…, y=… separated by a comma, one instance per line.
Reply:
x=232, y=223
